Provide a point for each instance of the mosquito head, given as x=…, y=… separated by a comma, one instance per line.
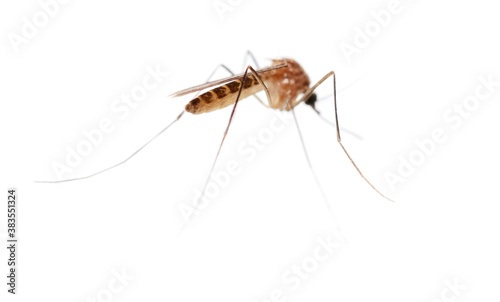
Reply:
x=312, y=100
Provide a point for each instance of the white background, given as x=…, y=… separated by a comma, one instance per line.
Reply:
x=443, y=226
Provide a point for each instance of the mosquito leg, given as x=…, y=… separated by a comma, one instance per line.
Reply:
x=307, y=94
x=116, y=165
x=245, y=75
x=256, y=64
x=232, y=73
x=344, y=130
x=350, y=132
x=215, y=70
x=137, y=151
x=245, y=59
x=315, y=176
x=261, y=82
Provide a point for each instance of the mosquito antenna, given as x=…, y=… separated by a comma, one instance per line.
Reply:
x=116, y=165
x=323, y=194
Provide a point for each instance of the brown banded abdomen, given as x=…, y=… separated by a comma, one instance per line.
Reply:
x=223, y=96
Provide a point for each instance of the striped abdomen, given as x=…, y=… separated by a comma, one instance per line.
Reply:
x=223, y=96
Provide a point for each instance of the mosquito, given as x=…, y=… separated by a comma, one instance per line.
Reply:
x=285, y=84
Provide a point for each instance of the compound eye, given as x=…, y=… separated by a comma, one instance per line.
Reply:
x=311, y=100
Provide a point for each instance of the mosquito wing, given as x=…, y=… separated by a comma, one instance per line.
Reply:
x=220, y=82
